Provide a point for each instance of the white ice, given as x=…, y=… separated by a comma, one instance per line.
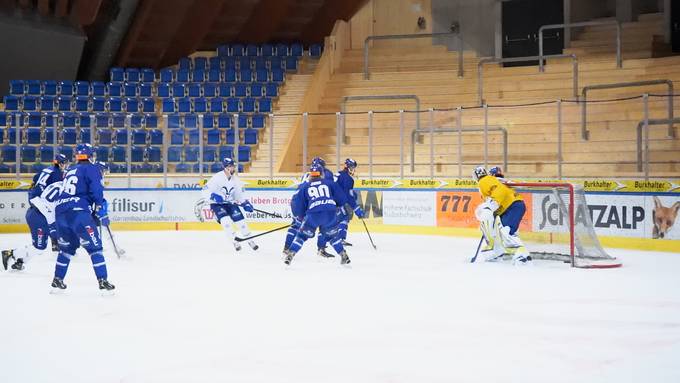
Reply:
x=187, y=308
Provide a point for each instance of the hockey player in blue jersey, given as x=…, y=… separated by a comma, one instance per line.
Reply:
x=345, y=180
x=317, y=200
x=82, y=190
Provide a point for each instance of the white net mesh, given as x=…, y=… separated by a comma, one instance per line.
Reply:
x=549, y=235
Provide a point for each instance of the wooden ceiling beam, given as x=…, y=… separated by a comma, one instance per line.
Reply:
x=265, y=19
x=144, y=11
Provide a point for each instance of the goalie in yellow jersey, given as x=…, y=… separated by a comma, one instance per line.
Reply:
x=499, y=216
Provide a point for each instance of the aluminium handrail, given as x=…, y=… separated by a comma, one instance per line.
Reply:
x=579, y=24
x=413, y=36
x=480, y=65
x=461, y=129
x=641, y=125
x=584, y=100
x=346, y=99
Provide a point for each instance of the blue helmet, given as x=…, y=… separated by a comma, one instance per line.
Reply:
x=102, y=166
x=350, y=163
x=316, y=170
x=227, y=161
x=84, y=152
x=319, y=160
x=60, y=159
x=496, y=171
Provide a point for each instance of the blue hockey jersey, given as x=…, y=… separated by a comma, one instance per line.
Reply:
x=317, y=195
x=346, y=184
x=43, y=179
x=82, y=188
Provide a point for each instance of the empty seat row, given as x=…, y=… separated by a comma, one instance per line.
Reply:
x=216, y=105
x=220, y=121
x=71, y=119
x=215, y=89
x=244, y=62
x=56, y=88
x=189, y=153
x=281, y=49
x=79, y=104
x=248, y=136
x=132, y=74
x=218, y=75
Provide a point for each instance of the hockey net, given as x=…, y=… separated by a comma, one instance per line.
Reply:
x=562, y=227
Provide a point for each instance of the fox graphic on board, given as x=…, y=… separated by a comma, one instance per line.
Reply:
x=664, y=217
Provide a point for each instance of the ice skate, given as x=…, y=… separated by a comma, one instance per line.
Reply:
x=237, y=246
x=18, y=265
x=105, y=285
x=344, y=258
x=253, y=245
x=55, y=247
x=345, y=243
x=58, y=283
x=323, y=253
x=6, y=255
x=289, y=257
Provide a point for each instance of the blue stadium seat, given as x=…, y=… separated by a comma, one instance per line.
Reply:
x=248, y=105
x=275, y=62
x=233, y=105
x=246, y=75
x=191, y=121
x=117, y=74
x=198, y=75
x=240, y=90
x=257, y=121
x=155, y=137
x=291, y=64
x=132, y=75
x=228, y=63
x=86, y=135
x=296, y=50
x=315, y=50
x=81, y=103
x=223, y=50
x=251, y=50
x=137, y=153
x=182, y=76
x=260, y=63
x=215, y=63
x=35, y=167
x=191, y=153
x=215, y=75
x=82, y=88
x=63, y=103
x=98, y=104
x=117, y=120
x=237, y=50
x=131, y=104
x=213, y=137
x=209, y=153
x=11, y=103
x=86, y=120
x=278, y=75
x=193, y=137
x=17, y=87
x=281, y=49
x=177, y=137
x=117, y=168
x=114, y=89
x=244, y=154
x=153, y=153
x=168, y=105
x=229, y=75
x=69, y=136
x=117, y=154
x=48, y=103
x=33, y=134
x=242, y=121
x=210, y=89
x=6, y=169
x=174, y=121
x=163, y=89
x=175, y=153
x=139, y=137
x=33, y=87
x=148, y=75
x=216, y=105
x=50, y=88
x=224, y=121
x=121, y=136
x=115, y=104
x=261, y=75
x=200, y=63
x=267, y=50
x=264, y=105
x=178, y=90
x=208, y=121
x=229, y=136
x=167, y=75
x=46, y=153
x=51, y=119
x=28, y=153
x=31, y=103
x=194, y=90
x=102, y=153
x=243, y=63
x=102, y=120
x=49, y=135
x=66, y=150
x=256, y=89
x=183, y=168
x=130, y=89
x=69, y=120
x=66, y=88
x=184, y=63
x=151, y=121
x=200, y=105
x=226, y=151
x=105, y=136
x=216, y=167
x=33, y=119
x=250, y=137
x=9, y=153
x=225, y=90
x=137, y=121
x=148, y=105
x=183, y=105
x=145, y=89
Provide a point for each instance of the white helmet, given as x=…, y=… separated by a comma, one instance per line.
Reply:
x=479, y=172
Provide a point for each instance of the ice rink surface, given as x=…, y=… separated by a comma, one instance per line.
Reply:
x=189, y=309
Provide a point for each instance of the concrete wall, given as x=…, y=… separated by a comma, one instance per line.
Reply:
x=478, y=20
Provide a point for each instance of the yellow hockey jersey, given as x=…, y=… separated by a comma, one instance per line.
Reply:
x=490, y=186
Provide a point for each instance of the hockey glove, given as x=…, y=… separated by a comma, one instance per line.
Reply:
x=247, y=206
x=359, y=211
x=216, y=198
x=102, y=213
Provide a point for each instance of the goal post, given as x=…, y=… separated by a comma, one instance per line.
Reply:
x=562, y=227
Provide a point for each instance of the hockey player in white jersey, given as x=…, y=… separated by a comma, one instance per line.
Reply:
x=226, y=194
x=41, y=220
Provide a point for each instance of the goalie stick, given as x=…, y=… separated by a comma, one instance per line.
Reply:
x=474, y=258
x=238, y=239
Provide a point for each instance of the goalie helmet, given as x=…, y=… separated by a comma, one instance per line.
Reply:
x=479, y=172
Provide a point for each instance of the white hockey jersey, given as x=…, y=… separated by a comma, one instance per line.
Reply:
x=45, y=203
x=230, y=188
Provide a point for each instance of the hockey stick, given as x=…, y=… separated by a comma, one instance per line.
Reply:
x=238, y=239
x=369, y=234
x=119, y=251
x=479, y=246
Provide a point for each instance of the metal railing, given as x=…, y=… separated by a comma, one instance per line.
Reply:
x=480, y=65
x=413, y=36
x=346, y=99
x=584, y=100
x=460, y=130
x=579, y=24
x=640, y=127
